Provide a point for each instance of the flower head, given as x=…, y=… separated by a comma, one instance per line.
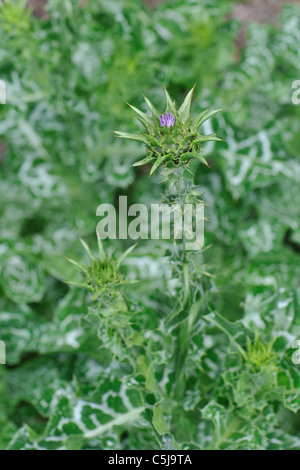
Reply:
x=167, y=120
x=182, y=143
x=102, y=276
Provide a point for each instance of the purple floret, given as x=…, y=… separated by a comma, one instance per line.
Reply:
x=167, y=120
x=162, y=120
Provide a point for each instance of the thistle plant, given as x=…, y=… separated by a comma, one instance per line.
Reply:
x=108, y=312
x=172, y=138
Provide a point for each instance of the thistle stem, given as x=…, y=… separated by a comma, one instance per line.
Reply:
x=182, y=339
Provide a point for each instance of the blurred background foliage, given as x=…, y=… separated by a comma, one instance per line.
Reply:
x=69, y=72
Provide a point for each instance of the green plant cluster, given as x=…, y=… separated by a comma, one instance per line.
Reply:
x=167, y=349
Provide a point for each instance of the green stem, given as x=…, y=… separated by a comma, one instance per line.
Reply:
x=184, y=189
x=182, y=340
x=186, y=282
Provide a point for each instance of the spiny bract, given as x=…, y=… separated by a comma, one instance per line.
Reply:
x=172, y=139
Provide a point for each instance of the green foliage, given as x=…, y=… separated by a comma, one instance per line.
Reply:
x=163, y=349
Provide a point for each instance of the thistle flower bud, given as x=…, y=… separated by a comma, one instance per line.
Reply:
x=102, y=276
x=173, y=138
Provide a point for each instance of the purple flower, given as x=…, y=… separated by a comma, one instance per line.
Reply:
x=167, y=120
